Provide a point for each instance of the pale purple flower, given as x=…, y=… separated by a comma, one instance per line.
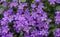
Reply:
x=57, y=32
x=33, y=5
x=52, y=1
x=13, y=4
x=2, y=0
x=5, y=4
x=21, y=6
x=58, y=1
x=57, y=17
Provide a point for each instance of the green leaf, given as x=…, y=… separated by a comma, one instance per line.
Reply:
x=51, y=35
x=1, y=6
x=29, y=1
x=33, y=1
x=22, y=1
x=58, y=8
x=8, y=1
x=15, y=36
x=1, y=16
x=21, y=34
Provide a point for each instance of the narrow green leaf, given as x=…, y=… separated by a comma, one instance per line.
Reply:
x=22, y=1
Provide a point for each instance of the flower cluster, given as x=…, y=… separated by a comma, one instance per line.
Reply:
x=53, y=1
x=57, y=17
x=30, y=18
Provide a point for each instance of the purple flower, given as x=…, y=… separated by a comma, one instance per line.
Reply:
x=58, y=1
x=26, y=28
x=34, y=33
x=19, y=12
x=37, y=0
x=11, y=18
x=57, y=32
x=33, y=5
x=8, y=12
x=21, y=6
x=1, y=11
x=57, y=17
x=4, y=30
x=39, y=9
x=13, y=4
x=4, y=22
x=19, y=17
x=44, y=32
x=2, y=0
x=4, y=4
x=52, y=1
x=27, y=35
x=18, y=26
x=8, y=35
